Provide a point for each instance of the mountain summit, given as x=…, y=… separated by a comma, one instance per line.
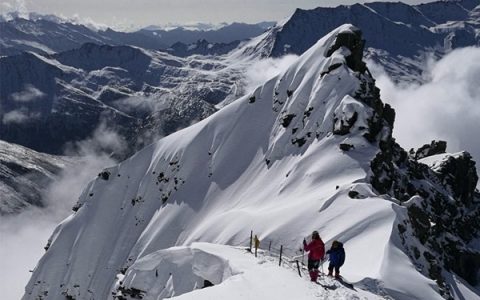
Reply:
x=309, y=149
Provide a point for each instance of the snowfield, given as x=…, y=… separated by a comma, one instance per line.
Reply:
x=280, y=161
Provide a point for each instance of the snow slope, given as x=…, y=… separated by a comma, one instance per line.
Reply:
x=293, y=156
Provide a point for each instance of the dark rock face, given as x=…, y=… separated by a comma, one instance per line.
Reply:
x=354, y=42
x=287, y=119
x=202, y=47
x=104, y=175
x=460, y=175
x=434, y=148
x=346, y=147
x=368, y=93
x=445, y=216
x=344, y=125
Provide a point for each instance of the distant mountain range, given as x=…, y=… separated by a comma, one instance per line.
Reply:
x=47, y=35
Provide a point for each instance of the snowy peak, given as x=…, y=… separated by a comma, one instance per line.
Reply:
x=316, y=95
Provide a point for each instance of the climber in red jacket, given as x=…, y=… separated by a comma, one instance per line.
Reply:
x=316, y=252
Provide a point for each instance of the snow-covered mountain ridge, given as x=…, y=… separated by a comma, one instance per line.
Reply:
x=309, y=149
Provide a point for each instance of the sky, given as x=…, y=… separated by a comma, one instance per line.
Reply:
x=123, y=14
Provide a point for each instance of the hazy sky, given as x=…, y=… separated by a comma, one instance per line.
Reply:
x=147, y=12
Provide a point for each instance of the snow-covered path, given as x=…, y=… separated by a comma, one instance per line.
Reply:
x=240, y=276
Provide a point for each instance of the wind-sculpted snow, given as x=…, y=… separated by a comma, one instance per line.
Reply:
x=292, y=156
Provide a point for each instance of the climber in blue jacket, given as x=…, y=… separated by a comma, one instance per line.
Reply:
x=337, y=258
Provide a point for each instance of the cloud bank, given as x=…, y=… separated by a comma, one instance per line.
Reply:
x=446, y=106
x=29, y=93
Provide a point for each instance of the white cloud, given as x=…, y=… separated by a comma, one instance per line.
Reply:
x=14, y=116
x=19, y=116
x=88, y=22
x=104, y=141
x=29, y=94
x=446, y=107
x=150, y=104
x=263, y=70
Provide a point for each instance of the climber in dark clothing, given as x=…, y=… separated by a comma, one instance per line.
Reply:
x=337, y=258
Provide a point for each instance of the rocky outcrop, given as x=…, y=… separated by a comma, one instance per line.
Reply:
x=443, y=208
x=434, y=148
x=354, y=42
x=460, y=176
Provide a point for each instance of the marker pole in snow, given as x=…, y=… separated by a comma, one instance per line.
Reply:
x=281, y=251
x=251, y=239
x=257, y=244
x=298, y=268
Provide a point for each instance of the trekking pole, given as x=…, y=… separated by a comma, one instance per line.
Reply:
x=321, y=266
x=303, y=256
